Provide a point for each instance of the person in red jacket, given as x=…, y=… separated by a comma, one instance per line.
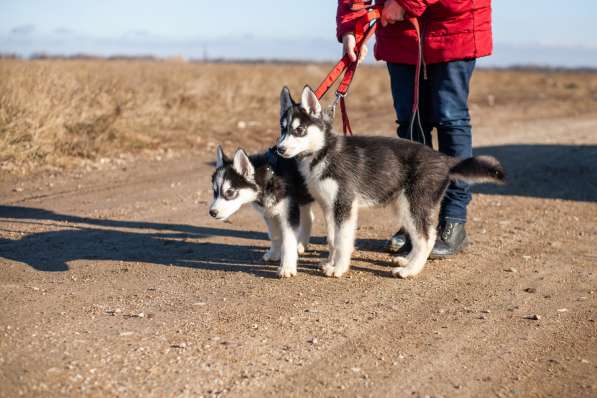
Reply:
x=454, y=34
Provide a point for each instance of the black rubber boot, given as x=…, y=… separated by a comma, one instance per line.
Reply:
x=397, y=241
x=451, y=240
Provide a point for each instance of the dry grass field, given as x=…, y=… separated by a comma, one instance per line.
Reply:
x=61, y=114
x=115, y=282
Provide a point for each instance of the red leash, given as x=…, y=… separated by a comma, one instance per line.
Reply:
x=365, y=27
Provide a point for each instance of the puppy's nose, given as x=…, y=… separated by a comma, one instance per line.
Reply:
x=281, y=150
x=213, y=212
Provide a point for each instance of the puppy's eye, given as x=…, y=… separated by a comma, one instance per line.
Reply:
x=229, y=194
x=299, y=130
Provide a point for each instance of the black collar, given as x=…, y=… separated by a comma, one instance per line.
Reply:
x=272, y=157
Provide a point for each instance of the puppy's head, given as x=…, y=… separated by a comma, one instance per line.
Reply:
x=302, y=126
x=233, y=184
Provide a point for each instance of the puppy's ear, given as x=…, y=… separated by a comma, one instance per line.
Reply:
x=242, y=165
x=221, y=158
x=286, y=101
x=309, y=102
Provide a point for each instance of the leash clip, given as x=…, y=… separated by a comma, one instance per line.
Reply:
x=338, y=98
x=332, y=107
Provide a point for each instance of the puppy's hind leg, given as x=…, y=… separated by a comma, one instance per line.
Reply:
x=305, y=228
x=275, y=234
x=422, y=246
x=422, y=234
x=346, y=225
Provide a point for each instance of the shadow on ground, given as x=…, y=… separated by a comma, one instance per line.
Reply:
x=84, y=238
x=546, y=171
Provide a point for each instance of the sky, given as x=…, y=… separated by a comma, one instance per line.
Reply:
x=525, y=31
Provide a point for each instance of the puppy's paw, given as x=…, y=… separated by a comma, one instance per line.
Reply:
x=402, y=272
x=339, y=272
x=400, y=260
x=328, y=268
x=300, y=248
x=286, y=271
x=271, y=255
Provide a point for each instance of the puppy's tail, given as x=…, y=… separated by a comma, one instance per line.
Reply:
x=478, y=170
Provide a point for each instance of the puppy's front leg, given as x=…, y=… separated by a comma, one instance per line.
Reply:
x=275, y=234
x=289, y=249
x=345, y=228
x=327, y=266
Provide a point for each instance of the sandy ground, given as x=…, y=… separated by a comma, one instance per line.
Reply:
x=115, y=282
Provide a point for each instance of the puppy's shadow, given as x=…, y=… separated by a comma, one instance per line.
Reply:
x=552, y=171
x=75, y=238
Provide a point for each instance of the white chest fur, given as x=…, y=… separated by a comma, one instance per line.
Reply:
x=323, y=190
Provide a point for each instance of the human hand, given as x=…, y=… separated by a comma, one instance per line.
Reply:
x=349, y=43
x=392, y=12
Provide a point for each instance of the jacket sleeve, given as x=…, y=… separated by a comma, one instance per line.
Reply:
x=346, y=18
x=416, y=8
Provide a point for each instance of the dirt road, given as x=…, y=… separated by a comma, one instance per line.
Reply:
x=116, y=283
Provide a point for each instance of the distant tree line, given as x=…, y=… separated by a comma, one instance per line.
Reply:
x=153, y=58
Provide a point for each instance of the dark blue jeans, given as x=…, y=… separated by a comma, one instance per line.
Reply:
x=444, y=106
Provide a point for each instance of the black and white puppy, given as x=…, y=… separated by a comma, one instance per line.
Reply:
x=274, y=186
x=345, y=173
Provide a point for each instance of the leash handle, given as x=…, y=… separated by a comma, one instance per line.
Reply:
x=363, y=34
x=364, y=29
x=366, y=25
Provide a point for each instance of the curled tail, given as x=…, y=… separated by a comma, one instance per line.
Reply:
x=478, y=169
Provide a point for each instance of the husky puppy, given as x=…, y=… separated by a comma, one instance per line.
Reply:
x=274, y=186
x=345, y=173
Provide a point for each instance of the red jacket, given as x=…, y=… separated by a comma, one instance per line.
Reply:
x=452, y=30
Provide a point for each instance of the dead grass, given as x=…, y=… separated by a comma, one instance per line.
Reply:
x=60, y=114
